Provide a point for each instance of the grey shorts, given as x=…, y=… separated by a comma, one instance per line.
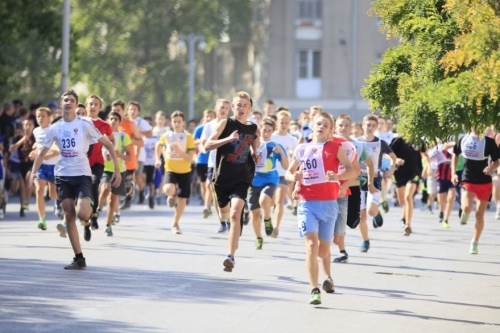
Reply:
x=283, y=181
x=341, y=222
x=254, y=194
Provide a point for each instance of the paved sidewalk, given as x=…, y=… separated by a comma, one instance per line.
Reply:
x=145, y=279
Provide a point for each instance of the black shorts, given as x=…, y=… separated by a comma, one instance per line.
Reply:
x=201, y=171
x=353, y=207
x=120, y=190
x=74, y=187
x=402, y=180
x=182, y=180
x=97, y=171
x=225, y=192
x=254, y=194
x=150, y=172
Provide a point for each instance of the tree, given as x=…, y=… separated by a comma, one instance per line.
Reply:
x=445, y=73
x=30, y=35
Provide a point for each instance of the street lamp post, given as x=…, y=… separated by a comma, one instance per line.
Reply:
x=65, y=46
x=191, y=40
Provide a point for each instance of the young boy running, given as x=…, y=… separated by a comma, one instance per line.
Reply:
x=236, y=141
x=265, y=181
x=319, y=187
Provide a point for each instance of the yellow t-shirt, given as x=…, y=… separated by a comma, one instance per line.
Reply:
x=173, y=162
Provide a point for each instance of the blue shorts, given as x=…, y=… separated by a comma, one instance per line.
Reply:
x=341, y=222
x=46, y=172
x=317, y=216
x=444, y=186
x=15, y=169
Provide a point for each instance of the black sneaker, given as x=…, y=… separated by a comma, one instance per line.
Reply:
x=142, y=197
x=87, y=234
x=93, y=222
x=228, y=263
x=342, y=257
x=328, y=286
x=378, y=221
x=78, y=263
x=126, y=204
x=21, y=213
x=151, y=202
x=441, y=217
x=222, y=228
x=268, y=226
x=294, y=211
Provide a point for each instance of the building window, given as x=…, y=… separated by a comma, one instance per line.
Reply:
x=310, y=9
x=309, y=64
x=308, y=84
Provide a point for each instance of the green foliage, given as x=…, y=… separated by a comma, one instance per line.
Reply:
x=445, y=73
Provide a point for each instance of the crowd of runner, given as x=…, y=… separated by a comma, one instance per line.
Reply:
x=246, y=166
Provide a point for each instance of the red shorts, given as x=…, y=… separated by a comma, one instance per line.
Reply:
x=482, y=191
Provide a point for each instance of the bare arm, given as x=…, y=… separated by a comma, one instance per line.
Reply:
x=117, y=177
x=16, y=145
x=214, y=142
x=36, y=164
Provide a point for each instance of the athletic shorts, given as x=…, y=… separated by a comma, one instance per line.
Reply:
x=254, y=194
x=25, y=167
x=283, y=181
x=150, y=172
x=201, y=171
x=46, y=172
x=74, y=187
x=15, y=171
x=482, y=191
x=225, y=192
x=353, y=207
x=120, y=190
x=444, y=186
x=183, y=182
x=432, y=183
x=317, y=216
x=341, y=222
x=367, y=197
x=97, y=171
x=402, y=180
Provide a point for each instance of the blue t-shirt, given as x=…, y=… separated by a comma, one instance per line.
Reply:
x=265, y=172
x=201, y=158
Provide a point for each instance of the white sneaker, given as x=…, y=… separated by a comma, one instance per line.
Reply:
x=497, y=215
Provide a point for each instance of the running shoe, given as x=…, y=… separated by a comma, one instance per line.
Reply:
x=21, y=213
x=378, y=221
x=142, y=197
x=62, y=230
x=441, y=217
x=59, y=212
x=2, y=215
x=365, y=246
x=407, y=231
x=385, y=206
x=464, y=218
x=328, y=286
x=473, y=247
x=497, y=214
x=93, y=222
x=151, y=202
x=268, y=225
x=294, y=212
x=315, y=297
x=222, y=228
x=126, y=204
x=109, y=231
x=206, y=213
x=78, y=263
x=171, y=201
x=228, y=263
x=116, y=218
x=42, y=225
x=258, y=243
x=87, y=234
x=176, y=230
x=26, y=206
x=403, y=222
x=445, y=224
x=246, y=215
x=343, y=257
x=275, y=233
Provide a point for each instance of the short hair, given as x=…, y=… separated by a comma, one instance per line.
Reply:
x=328, y=116
x=283, y=108
x=344, y=116
x=283, y=113
x=101, y=101
x=270, y=122
x=161, y=113
x=257, y=112
x=177, y=113
x=369, y=117
x=44, y=109
x=315, y=107
x=116, y=114
x=80, y=105
x=136, y=104
x=242, y=94
x=70, y=92
x=207, y=111
x=269, y=101
x=119, y=103
x=221, y=101
x=23, y=111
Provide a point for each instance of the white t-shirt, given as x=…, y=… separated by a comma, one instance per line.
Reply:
x=289, y=142
x=208, y=129
x=73, y=139
x=40, y=134
x=143, y=126
x=149, y=150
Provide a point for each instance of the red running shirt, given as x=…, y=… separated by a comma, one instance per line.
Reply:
x=95, y=150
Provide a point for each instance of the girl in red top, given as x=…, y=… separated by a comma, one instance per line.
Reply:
x=319, y=188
